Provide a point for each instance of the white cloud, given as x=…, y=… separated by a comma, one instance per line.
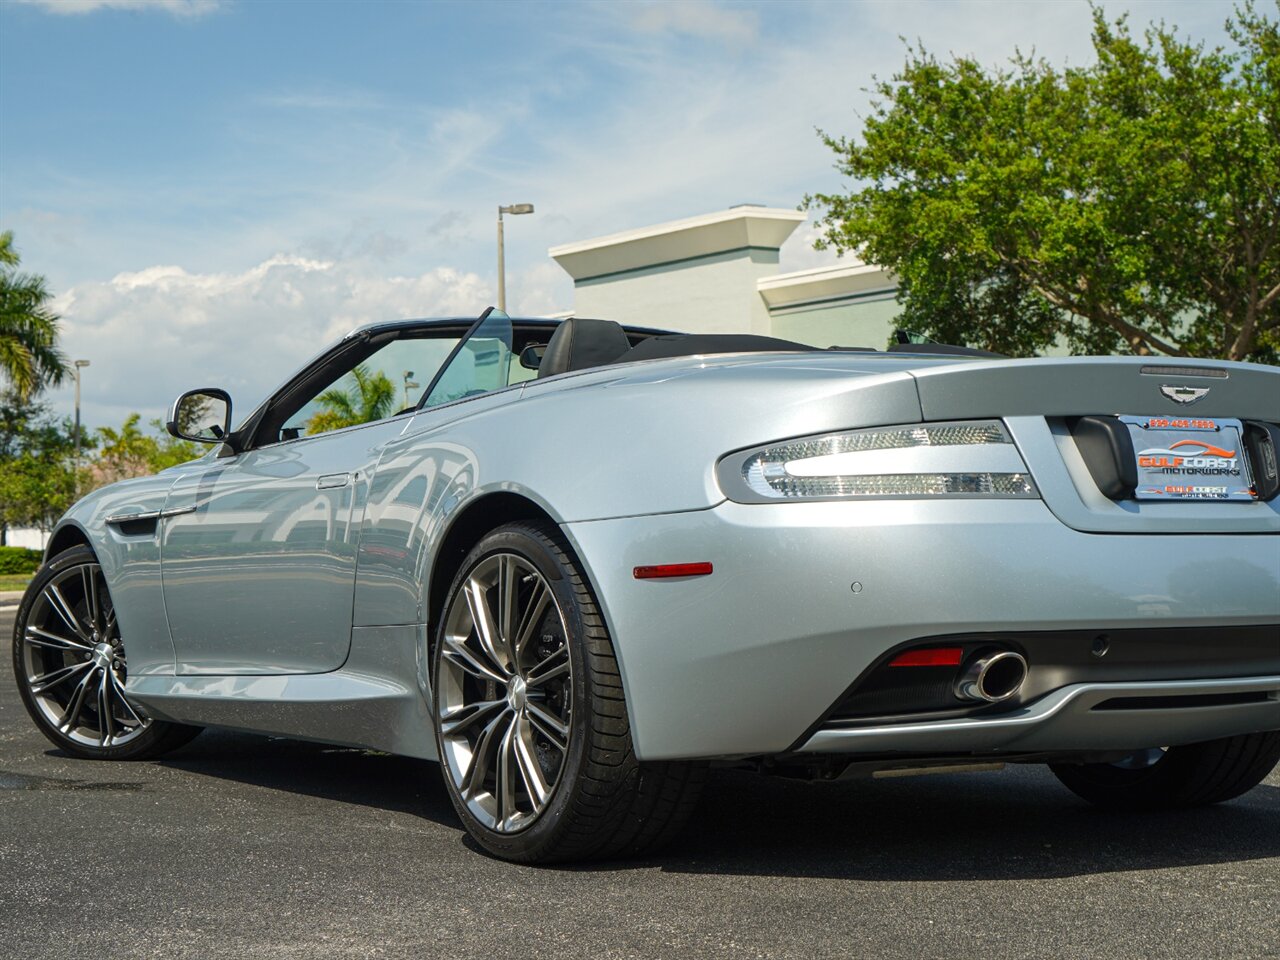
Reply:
x=340, y=100
x=798, y=253
x=696, y=18
x=152, y=333
x=461, y=139
x=177, y=8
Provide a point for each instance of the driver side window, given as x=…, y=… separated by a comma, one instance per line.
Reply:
x=387, y=382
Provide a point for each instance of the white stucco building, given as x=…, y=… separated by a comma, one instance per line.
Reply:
x=28, y=537
x=718, y=273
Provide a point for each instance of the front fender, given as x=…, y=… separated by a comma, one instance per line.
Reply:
x=130, y=560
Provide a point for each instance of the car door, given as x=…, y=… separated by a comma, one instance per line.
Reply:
x=258, y=550
x=258, y=555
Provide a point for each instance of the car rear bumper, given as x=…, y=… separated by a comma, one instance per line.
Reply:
x=805, y=597
x=1086, y=716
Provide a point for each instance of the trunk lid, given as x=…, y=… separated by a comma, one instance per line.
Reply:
x=1039, y=399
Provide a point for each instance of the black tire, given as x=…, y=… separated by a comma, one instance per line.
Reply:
x=1189, y=776
x=604, y=803
x=151, y=737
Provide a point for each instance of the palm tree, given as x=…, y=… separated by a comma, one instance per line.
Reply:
x=29, y=356
x=369, y=398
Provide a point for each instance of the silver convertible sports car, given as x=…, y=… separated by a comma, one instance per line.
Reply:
x=577, y=563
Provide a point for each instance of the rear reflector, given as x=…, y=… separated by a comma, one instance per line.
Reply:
x=663, y=571
x=933, y=657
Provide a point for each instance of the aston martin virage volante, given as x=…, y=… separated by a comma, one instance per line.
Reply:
x=578, y=563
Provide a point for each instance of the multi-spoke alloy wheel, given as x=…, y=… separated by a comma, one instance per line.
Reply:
x=69, y=658
x=531, y=722
x=504, y=694
x=74, y=662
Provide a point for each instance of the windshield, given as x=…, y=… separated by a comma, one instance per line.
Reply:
x=481, y=364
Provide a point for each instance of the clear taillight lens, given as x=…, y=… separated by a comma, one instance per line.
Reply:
x=965, y=459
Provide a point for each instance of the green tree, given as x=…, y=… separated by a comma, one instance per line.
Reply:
x=35, y=491
x=133, y=452
x=29, y=356
x=371, y=396
x=19, y=416
x=1130, y=205
x=37, y=470
x=38, y=475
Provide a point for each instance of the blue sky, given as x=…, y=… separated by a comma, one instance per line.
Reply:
x=215, y=189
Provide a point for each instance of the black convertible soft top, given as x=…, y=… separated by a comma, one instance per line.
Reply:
x=689, y=344
x=663, y=346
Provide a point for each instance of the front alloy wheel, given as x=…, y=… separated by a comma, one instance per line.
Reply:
x=69, y=661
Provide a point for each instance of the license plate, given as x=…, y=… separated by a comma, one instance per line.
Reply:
x=1189, y=458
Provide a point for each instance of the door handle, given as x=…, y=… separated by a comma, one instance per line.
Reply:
x=332, y=481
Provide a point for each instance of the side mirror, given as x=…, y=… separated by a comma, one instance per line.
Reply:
x=202, y=415
x=531, y=356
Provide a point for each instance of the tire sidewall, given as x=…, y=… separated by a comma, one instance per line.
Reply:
x=543, y=832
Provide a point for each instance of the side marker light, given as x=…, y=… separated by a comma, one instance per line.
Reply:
x=665, y=571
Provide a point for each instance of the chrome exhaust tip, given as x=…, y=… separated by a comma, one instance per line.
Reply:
x=993, y=677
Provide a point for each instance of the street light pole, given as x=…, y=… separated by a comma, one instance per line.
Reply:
x=409, y=384
x=502, y=268
x=79, y=365
x=514, y=209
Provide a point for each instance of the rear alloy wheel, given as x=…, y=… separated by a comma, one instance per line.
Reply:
x=1188, y=776
x=505, y=692
x=69, y=661
x=531, y=724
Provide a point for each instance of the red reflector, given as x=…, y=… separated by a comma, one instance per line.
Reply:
x=663, y=571
x=933, y=657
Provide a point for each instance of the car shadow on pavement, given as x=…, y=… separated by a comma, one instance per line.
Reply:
x=1017, y=824
x=345, y=774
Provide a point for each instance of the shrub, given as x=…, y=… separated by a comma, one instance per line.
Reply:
x=18, y=560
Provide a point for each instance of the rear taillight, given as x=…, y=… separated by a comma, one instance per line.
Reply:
x=973, y=458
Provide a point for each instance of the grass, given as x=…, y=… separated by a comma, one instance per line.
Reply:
x=14, y=581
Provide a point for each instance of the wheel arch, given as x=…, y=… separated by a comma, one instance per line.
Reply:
x=482, y=515
x=65, y=537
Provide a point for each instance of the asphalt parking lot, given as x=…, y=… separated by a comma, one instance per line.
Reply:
x=244, y=846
